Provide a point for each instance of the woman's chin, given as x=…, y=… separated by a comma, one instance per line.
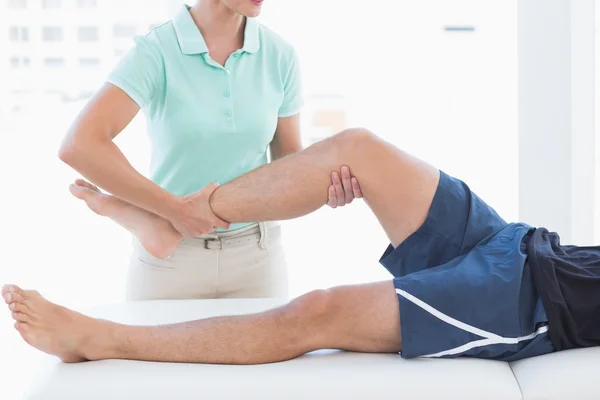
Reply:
x=252, y=13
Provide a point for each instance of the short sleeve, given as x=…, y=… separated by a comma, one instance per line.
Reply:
x=292, y=89
x=140, y=73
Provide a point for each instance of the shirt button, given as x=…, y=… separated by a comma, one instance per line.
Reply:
x=228, y=113
x=236, y=55
x=226, y=93
x=226, y=71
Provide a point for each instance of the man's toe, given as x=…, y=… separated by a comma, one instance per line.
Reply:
x=13, y=298
x=18, y=307
x=22, y=327
x=20, y=317
x=6, y=289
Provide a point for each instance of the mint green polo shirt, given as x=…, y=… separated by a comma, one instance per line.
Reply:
x=207, y=122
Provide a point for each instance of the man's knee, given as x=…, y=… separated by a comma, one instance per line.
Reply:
x=355, y=144
x=311, y=308
x=347, y=145
x=355, y=138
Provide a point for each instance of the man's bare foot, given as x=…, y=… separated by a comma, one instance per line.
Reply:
x=156, y=234
x=53, y=329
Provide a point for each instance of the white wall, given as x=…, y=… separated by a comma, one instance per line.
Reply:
x=556, y=117
x=3, y=65
x=583, y=113
x=597, y=85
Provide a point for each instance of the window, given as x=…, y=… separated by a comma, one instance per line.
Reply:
x=51, y=4
x=13, y=34
x=87, y=3
x=16, y=34
x=54, y=62
x=120, y=52
x=19, y=62
x=89, y=62
x=52, y=34
x=124, y=31
x=17, y=3
x=20, y=92
x=87, y=33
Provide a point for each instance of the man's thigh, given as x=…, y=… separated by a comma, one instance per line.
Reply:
x=362, y=318
x=456, y=222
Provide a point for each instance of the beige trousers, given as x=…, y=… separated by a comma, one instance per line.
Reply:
x=246, y=263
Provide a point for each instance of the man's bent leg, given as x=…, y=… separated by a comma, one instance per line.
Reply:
x=362, y=318
x=399, y=188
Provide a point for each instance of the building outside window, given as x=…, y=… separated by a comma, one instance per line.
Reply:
x=15, y=62
x=18, y=34
x=54, y=62
x=47, y=4
x=87, y=33
x=89, y=62
x=17, y=3
x=52, y=34
x=19, y=62
x=124, y=31
x=87, y=3
x=120, y=52
x=13, y=34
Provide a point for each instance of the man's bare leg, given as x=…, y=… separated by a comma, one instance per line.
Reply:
x=399, y=188
x=362, y=318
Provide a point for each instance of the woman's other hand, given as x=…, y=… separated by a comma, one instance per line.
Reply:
x=343, y=190
x=195, y=217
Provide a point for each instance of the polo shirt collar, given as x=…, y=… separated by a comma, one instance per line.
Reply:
x=188, y=35
x=191, y=41
x=251, y=39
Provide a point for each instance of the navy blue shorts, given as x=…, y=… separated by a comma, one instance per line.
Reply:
x=464, y=285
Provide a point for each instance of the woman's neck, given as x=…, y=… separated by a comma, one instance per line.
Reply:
x=216, y=21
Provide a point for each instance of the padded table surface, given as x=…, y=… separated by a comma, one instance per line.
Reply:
x=323, y=374
x=573, y=374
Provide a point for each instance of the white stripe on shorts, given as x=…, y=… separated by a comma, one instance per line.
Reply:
x=489, y=338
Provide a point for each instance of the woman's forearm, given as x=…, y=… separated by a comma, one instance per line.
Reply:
x=102, y=163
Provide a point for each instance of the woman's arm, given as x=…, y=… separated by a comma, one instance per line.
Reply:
x=287, y=138
x=89, y=149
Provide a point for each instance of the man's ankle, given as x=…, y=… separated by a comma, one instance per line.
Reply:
x=103, y=342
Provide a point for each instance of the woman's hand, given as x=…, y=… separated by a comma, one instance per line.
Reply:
x=194, y=216
x=343, y=190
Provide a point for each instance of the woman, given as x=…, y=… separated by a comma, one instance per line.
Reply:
x=217, y=89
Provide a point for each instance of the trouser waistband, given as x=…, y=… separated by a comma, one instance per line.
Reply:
x=257, y=233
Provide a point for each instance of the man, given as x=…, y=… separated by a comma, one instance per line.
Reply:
x=466, y=282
